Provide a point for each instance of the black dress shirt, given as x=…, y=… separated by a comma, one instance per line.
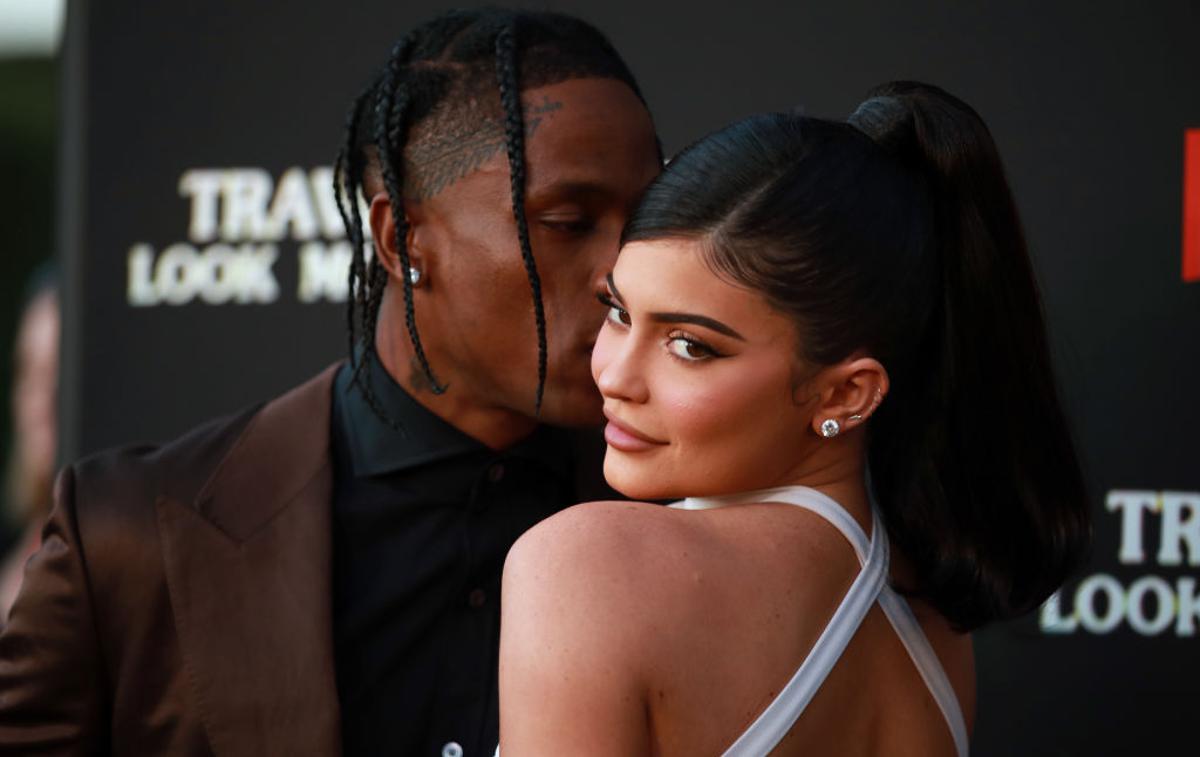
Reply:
x=422, y=520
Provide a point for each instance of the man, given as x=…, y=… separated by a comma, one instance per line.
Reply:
x=321, y=575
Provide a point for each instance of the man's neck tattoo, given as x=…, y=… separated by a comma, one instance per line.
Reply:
x=418, y=380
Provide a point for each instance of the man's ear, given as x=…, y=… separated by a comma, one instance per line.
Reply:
x=383, y=231
x=850, y=392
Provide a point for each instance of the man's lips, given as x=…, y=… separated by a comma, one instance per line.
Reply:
x=626, y=438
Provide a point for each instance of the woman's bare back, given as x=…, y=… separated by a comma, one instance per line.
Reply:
x=769, y=579
x=713, y=612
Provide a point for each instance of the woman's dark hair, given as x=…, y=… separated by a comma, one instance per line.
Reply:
x=448, y=82
x=897, y=234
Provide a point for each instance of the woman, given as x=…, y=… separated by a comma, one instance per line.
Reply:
x=826, y=337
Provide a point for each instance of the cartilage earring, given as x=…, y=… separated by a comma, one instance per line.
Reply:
x=830, y=428
x=855, y=418
x=414, y=275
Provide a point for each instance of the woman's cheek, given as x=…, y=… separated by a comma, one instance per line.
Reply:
x=729, y=403
x=698, y=410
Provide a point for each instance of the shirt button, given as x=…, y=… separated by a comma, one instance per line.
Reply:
x=495, y=473
x=452, y=749
x=476, y=598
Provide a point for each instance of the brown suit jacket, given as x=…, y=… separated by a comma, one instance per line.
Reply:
x=180, y=603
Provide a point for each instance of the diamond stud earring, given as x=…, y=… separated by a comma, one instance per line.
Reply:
x=830, y=428
x=414, y=275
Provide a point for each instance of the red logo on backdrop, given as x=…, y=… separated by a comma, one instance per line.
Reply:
x=1191, y=205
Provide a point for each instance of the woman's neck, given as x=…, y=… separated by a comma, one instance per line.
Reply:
x=837, y=469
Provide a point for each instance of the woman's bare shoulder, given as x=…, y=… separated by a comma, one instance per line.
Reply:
x=637, y=552
x=574, y=640
x=611, y=541
x=581, y=589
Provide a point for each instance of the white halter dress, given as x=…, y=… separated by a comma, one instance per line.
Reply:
x=868, y=588
x=871, y=586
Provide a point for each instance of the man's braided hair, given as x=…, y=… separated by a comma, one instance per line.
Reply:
x=438, y=86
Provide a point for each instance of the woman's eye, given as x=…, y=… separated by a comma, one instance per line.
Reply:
x=617, y=315
x=689, y=349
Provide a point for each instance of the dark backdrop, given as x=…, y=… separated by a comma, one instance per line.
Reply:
x=1089, y=103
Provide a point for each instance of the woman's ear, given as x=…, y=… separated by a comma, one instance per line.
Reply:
x=850, y=393
x=383, y=231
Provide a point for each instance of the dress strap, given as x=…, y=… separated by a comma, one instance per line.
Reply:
x=801, y=496
x=905, y=624
x=871, y=584
x=765, y=733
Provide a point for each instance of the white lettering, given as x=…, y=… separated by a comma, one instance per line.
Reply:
x=321, y=180
x=1189, y=607
x=323, y=272
x=217, y=275
x=1176, y=529
x=1131, y=504
x=244, y=194
x=291, y=207
x=221, y=278
x=1051, y=620
x=1085, y=603
x=176, y=276
x=203, y=186
x=140, y=291
x=1164, y=610
x=1179, y=605
x=255, y=279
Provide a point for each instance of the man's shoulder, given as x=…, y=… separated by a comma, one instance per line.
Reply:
x=177, y=468
x=135, y=477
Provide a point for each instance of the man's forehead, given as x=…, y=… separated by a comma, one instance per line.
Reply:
x=601, y=131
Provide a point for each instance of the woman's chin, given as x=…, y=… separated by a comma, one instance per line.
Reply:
x=641, y=482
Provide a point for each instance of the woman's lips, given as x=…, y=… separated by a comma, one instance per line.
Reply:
x=625, y=438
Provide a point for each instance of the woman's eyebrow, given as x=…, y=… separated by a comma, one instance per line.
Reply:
x=699, y=320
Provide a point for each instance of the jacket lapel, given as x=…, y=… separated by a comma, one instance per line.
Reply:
x=248, y=568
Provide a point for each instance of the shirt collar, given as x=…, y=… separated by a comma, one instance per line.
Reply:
x=376, y=447
x=421, y=437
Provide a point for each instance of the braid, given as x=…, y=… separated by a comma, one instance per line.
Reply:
x=514, y=138
x=391, y=100
x=391, y=123
x=345, y=185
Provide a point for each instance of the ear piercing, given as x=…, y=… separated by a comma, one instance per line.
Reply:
x=874, y=404
x=831, y=428
x=414, y=275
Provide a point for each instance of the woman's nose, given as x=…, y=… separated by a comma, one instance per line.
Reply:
x=617, y=368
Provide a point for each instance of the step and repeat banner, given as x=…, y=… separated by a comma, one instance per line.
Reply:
x=205, y=260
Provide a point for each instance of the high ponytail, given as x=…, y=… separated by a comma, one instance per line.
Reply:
x=982, y=458
x=897, y=234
